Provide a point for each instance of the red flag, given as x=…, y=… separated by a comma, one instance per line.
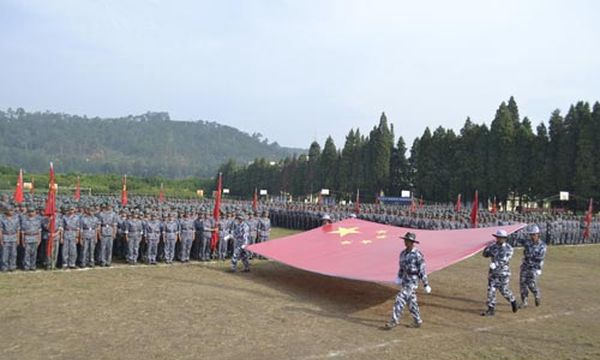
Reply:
x=217, y=212
x=588, y=219
x=494, y=206
x=475, y=210
x=357, y=203
x=413, y=206
x=19, y=188
x=458, y=205
x=255, y=201
x=50, y=210
x=421, y=202
x=161, y=195
x=32, y=190
x=124, y=191
x=77, y=190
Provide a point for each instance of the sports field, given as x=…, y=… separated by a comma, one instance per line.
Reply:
x=199, y=311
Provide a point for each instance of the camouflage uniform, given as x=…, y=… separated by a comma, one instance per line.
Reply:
x=70, y=236
x=31, y=229
x=108, y=222
x=499, y=274
x=208, y=223
x=187, y=237
x=134, y=234
x=170, y=234
x=411, y=270
x=241, y=238
x=89, y=235
x=152, y=229
x=10, y=227
x=531, y=269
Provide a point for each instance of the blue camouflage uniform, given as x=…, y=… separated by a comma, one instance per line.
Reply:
x=31, y=229
x=89, y=234
x=411, y=270
x=531, y=269
x=108, y=223
x=170, y=234
x=499, y=274
x=152, y=229
x=134, y=232
x=187, y=233
x=241, y=238
x=70, y=225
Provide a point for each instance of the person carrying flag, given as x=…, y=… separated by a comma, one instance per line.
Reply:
x=411, y=270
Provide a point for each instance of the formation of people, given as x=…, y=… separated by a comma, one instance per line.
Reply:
x=412, y=270
x=93, y=233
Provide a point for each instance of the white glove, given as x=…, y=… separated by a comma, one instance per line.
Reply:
x=538, y=272
x=398, y=281
x=428, y=289
x=493, y=266
x=244, y=246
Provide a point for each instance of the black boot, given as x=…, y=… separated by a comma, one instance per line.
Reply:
x=538, y=301
x=514, y=306
x=489, y=312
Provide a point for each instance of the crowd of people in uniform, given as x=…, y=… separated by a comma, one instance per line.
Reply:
x=96, y=229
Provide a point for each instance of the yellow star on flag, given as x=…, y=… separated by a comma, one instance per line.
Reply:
x=366, y=242
x=381, y=236
x=346, y=242
x=381, y=232
x=342, y=231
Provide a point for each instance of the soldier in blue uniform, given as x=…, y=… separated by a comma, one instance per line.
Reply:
x=170, y=237
x=133, y=234
x=108, y=229
x=70, y=238
x=224, y=237
x=89, y=226
x=241, y=239
x=411, y=270
x=500, y=253
x=264, y=227
x=31, y=235
x=534, y=252
x=152, y=231
x=11, y=226
x=208, y=226
x=187, y=234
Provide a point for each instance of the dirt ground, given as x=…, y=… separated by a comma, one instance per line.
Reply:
x=199, y=311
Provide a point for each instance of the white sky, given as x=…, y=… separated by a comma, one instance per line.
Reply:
x=297, y=71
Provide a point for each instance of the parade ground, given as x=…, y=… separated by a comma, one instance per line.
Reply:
x=200, y=311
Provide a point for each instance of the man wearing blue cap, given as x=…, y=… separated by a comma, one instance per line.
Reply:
x=500, y=253
x=534, y=252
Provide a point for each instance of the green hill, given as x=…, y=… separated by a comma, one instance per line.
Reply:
x=145, y=145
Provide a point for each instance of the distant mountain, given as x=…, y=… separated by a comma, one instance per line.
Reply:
x=145, y=145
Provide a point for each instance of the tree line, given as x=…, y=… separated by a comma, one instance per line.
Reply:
x=145, y=145
x=507, y=159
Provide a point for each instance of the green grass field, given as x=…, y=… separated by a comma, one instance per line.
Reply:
x=199, y=311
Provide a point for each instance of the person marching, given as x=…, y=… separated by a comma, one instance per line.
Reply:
x=534, y=252
x=500, y=253
x=411, y=270
x=241, y=239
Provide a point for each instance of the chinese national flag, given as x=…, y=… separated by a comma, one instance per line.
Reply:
x=124, y=191
x=19, y=188
x=588, y=219
x=494, y=206
x=475, y=210
x=50, y=210
x=458, y=204
x=77, y=191
x=217, y=212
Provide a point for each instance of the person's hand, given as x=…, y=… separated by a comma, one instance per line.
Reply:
x=244, y=247
x=493, y=266
x=538, y=272
x=428, y=289
x=398, y=281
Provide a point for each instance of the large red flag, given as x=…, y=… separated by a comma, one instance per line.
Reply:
x=494, y=206
x=124, y=191
x=421, y=202
x=458, y=205
x=161, y=195
x=255, y=201
x=588, y=219
x=217, y=212
x=475, y=210
x=19, y=188
x=357, y=203
x=413, y=205
x=77, y=190
x=368, y=251
x=50, y=211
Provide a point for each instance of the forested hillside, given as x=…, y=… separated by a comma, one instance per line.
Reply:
x=146, y=145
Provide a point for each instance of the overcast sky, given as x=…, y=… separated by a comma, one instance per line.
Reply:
x=297, y=71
